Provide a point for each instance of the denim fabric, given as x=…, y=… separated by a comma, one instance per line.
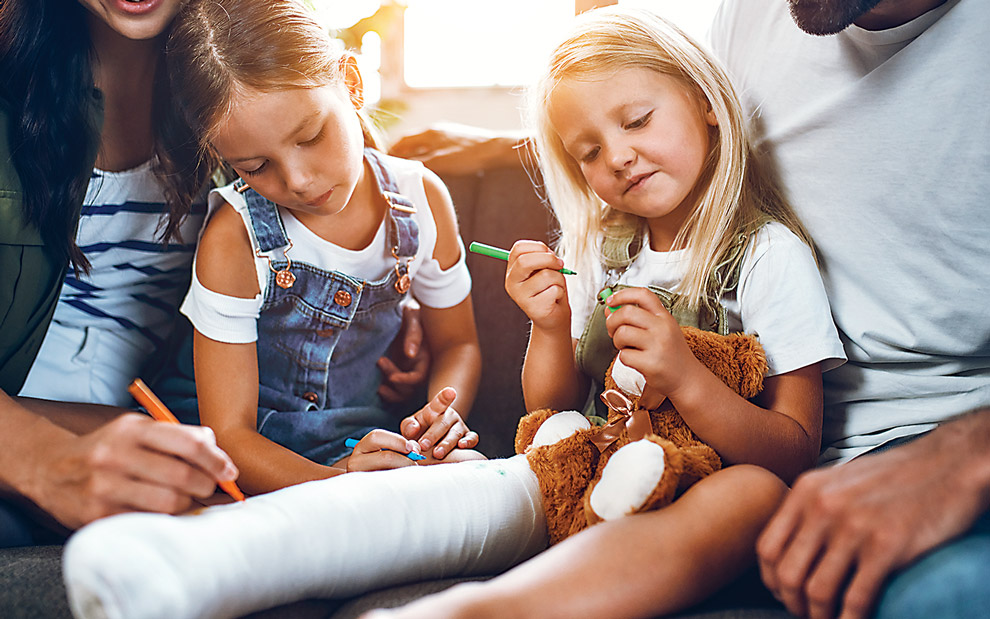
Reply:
x=16, y=529
x=951, y=581
x=319, y=340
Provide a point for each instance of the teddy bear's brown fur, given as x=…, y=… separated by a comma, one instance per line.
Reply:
x=570, y=468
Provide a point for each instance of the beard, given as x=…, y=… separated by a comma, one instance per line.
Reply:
x=824, y=17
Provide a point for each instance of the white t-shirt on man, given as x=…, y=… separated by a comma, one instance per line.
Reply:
x=881, y=141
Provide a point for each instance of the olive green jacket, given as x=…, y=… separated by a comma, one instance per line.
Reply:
x=30, y=279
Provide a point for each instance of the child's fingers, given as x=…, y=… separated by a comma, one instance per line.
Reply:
x=469, y=440
x=639, y=297
x=527, y=246
x=531, y=265
x=378, y=440
x=377, y=461
x=456, y=431
x=629, y=318
x=413, y=426
x=528, y=257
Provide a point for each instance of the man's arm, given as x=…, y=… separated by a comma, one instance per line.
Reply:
x=843, y=530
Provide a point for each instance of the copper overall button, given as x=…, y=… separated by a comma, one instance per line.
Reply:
x=312, y=397
x=342, y=298
x=324, y=332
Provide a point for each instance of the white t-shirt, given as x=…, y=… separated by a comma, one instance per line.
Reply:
x=881, y=140
x=780, y=298
x=234, y=320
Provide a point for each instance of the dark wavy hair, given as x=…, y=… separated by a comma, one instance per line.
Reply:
x=45, y=63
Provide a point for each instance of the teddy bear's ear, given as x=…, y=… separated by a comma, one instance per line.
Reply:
x=752, y=362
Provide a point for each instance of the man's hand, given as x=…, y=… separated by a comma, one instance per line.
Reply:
x=407, y=365
x=842, y=531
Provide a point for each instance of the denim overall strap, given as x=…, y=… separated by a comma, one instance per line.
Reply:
x=320, y=338
x=267, y=223
x=403, y=230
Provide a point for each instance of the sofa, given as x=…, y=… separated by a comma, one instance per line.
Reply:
x=496, y=206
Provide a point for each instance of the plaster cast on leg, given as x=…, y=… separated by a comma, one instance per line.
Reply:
x=331, y=538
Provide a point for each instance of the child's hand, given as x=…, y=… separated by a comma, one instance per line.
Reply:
x=380, y=450
x=534, y=281
x=439, y=427
x=649, y=340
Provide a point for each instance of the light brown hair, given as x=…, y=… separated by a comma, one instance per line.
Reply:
x=218, y=48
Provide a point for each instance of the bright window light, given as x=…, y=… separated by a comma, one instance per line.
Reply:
x=477, y=43
x=483, y=43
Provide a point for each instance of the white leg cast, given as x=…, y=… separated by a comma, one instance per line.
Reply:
x=331, y=538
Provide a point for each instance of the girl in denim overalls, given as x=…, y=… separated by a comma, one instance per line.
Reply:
x=649, y=169
x=306, y=259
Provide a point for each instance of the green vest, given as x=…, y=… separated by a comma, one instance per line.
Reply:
x=30, y=280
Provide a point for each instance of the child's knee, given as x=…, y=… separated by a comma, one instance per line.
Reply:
x=755, y=484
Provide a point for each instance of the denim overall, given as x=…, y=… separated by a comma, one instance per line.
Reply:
x=320, y=333
x=595, y=351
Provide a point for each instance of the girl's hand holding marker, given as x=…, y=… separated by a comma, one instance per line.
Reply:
x=412, y=455
x=501, y=254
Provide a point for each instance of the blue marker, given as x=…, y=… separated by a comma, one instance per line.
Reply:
x=412, y=455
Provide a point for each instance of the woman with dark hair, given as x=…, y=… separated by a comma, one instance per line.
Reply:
x=88, y=135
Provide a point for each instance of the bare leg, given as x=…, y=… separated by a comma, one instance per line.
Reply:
x=648, y=564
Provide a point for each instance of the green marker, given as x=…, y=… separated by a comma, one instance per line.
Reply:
x=501, y=254
x=603, y=297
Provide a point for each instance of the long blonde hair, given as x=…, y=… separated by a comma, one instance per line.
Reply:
x=738, y=194
x=217, y=48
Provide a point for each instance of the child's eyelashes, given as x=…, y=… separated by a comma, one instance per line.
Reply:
x=589, y=156
x=639, y=122
x=257, y=170
x=315, y=139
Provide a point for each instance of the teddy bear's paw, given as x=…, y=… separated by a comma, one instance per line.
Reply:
x=629, y=478
x=560, y=426
x=628, y=380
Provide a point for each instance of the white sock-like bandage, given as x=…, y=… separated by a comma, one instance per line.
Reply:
x=332, y=538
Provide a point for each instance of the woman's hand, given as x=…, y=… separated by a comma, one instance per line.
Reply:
x=649, y=340
x=438, y=428
x=535, y=283
x=133, y=463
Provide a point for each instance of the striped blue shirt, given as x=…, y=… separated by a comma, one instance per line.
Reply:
x=110, y=322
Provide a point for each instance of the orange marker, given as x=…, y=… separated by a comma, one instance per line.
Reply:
x=146, y=398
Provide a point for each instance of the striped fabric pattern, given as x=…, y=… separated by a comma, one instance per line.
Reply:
x=110, y=323
x=135, y=283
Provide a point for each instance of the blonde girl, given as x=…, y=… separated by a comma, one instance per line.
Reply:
x=635, y=116
x=650, y=171
x=306, y=259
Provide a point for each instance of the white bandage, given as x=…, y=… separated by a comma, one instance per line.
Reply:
x=331, y=538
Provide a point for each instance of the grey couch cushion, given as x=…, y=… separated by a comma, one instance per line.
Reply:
x=31, y=587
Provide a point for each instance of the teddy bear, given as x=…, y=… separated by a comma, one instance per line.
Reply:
x=639, y=460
